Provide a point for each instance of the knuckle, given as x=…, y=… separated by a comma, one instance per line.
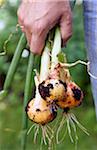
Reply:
x=27, y=23
x=39, y=26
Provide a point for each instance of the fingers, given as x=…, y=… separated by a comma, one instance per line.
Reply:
x=38, y=38
x=22, y=14
x=66, y=28
x=37, y=44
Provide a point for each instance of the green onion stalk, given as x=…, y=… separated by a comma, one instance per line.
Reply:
x=29, y=85
x=12, y=69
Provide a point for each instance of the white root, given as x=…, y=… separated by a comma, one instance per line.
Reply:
x=36, y=133
x=75, y=132
x=79, y=125
x=47, y=133
x=80, y=62
x=71, y=121
x=69, y=129
x=43, y=135
x=74, y=128
x=59, y=130
x=30, y=129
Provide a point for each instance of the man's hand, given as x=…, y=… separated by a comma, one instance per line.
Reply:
x=36, y=18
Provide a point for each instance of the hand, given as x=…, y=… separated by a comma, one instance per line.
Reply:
x=36, y=18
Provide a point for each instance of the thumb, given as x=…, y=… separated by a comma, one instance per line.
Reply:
x=66, y=28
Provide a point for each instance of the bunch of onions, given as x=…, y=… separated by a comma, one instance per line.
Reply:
x=54, y=89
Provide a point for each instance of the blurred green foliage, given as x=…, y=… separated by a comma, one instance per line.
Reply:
x=11, y=107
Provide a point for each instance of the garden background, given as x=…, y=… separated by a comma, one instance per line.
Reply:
x=11, y=106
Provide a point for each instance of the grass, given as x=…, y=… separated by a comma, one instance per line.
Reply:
x=10, y=129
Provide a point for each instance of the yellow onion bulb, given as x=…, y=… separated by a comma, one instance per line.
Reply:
x=52, y=90
x=40, y=113
x=74, y=97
